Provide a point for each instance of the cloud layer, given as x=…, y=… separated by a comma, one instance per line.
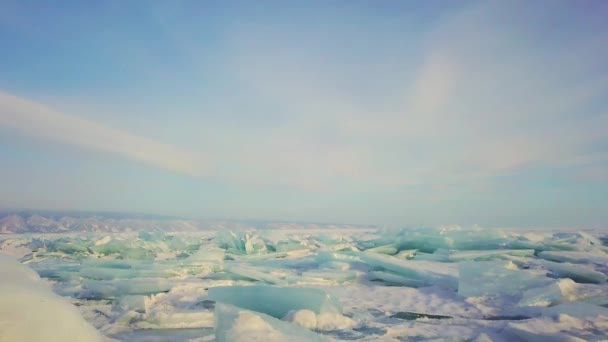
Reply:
x=326, y=110
x=39, y=122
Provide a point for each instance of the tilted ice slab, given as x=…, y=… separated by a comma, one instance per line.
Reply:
x=390, y=249
x=597, y=257
x=441, y=255
x=30, y=311
x=577, y=273
x=489, y=255
x=201, y=262
x=266, y=275
x=102, y=273
x=428, y=272
x=565, y=291
x=395, y=279
x=592, y=239
x=478, y=278
x=275, y=301
x=116, y=288
x=234, y=324
x=406, y=254
x=326, y=276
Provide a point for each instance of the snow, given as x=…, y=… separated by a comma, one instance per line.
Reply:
x=236, y=325
x=29, y=311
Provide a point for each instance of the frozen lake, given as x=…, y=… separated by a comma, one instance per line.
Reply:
x=446, y=283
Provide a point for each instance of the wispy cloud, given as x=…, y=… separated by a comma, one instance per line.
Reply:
x=487, y=100
x=479, y=93
x=37, y=121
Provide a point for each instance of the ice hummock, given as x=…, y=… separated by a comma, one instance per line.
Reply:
x=142, y=286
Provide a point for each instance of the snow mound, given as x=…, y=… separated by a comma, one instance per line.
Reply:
x=29, y=311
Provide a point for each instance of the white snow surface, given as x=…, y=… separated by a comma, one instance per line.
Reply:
x=443, y=284
x=30, y=311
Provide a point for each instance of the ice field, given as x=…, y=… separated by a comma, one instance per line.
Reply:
x=439, y=284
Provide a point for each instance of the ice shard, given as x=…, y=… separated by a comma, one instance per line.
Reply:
x=275, y=301
x=478, y=278
x=256, y=273
x=241, y=243
x=578, y=273
x=101, y=273
x=425, y=271
x=396, y=279
x=390, y=249
x=484, y=255
x=96, y=289
x=575, y=257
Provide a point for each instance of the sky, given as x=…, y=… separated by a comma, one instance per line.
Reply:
x=397, y=113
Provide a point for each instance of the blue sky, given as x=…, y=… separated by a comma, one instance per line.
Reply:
x=391, y=113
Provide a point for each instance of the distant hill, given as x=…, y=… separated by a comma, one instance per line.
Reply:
x=32, y=221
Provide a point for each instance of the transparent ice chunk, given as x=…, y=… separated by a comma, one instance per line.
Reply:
x=132, y=302
x=115, y=288
x=275, y=301
x=426, y=271
x=101, y=273
x=256, y=273
x=478, y=278
x=241, y=243
x=575, y=257
x=395, y=279
x=389, y=249
x=489, y=254
x=577, y=273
